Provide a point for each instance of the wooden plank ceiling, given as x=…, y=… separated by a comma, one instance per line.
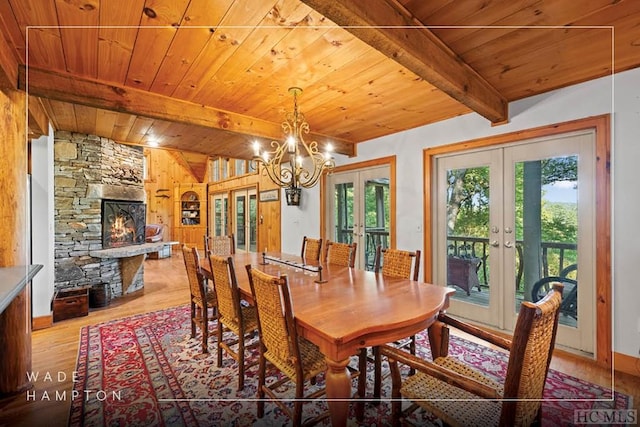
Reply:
x=209, y=76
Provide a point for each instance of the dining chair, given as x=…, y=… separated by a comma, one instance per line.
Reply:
x=341, y=253
x=454, y=391
x=232, y=315
x=297, y=359
x=397, y=263
x=394, y=263
x=311, y=248
x=201, y=301
x=220, y=245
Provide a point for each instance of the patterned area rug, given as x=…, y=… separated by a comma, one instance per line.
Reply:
x=147, y=371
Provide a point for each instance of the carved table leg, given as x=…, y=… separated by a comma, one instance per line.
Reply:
x=439, y=339
x=338, y=391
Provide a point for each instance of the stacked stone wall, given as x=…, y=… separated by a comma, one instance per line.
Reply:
x=83, y=163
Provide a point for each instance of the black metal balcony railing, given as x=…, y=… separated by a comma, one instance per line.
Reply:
x=556, y=256
x=373, y=237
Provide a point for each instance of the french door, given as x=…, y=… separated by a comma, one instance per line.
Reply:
x=358, y=210
x=219, y=215
x=511, y=221
x=245, y=224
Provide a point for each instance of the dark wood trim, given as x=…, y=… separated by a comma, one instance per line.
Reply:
x=602, y=126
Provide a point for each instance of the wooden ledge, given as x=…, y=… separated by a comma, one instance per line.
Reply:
x=130, y=251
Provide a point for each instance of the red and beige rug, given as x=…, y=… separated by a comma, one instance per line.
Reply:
x=147, y=371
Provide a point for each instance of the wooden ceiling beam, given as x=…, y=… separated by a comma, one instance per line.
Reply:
x=38, y=119
x=389, y=28
x=93, y=93
x=179, y=158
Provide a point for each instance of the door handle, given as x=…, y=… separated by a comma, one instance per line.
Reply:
x=508, y=244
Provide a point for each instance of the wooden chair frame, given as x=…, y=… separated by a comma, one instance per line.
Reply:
x=292, y=349
x=232, y=316
x=200, y=300
x=526, y=359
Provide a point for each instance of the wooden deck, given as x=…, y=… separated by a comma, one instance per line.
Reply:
x=481, y=297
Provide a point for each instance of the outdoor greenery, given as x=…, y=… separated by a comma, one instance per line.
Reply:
x=468, y=207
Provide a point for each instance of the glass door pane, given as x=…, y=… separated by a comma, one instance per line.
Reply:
x=552, y=188
x=467, y=225
x=343, y=214
x=240, y=218
x=359, y=211
x=376, y=217
x=547, y=230
x=220, y=214
x=253, y=222
x=245, y=217
x=469, y=232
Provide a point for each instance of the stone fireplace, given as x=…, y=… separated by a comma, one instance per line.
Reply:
x=123, y=223
x=87, y=171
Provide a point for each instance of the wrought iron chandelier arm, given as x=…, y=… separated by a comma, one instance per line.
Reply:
x=296, y=175
x=320, y=163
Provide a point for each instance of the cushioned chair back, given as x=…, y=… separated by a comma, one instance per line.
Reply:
x=275, y=319
x=226, y=287
x=533, y=341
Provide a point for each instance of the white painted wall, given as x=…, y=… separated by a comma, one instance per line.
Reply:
x=42, y=223
x=575, y=102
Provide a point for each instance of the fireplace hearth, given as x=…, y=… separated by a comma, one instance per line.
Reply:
x=123, y=223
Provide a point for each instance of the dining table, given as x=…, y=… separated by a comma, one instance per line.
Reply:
x=342, y=309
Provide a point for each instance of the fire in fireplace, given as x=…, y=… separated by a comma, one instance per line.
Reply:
x=123, y=223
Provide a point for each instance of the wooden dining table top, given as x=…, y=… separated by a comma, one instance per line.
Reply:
x=353, y=306
x=348, y=310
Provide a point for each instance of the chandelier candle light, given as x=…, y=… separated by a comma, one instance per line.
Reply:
x=294, y=176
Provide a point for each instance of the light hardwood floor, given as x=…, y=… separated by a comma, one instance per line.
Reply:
x=55, y=349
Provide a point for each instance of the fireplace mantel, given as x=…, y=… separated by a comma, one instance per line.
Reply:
x=129, y=251
x=131, y=258
x=115, y=192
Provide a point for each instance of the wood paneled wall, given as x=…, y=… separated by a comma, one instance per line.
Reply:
x=164, y=174
x=269, y=229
